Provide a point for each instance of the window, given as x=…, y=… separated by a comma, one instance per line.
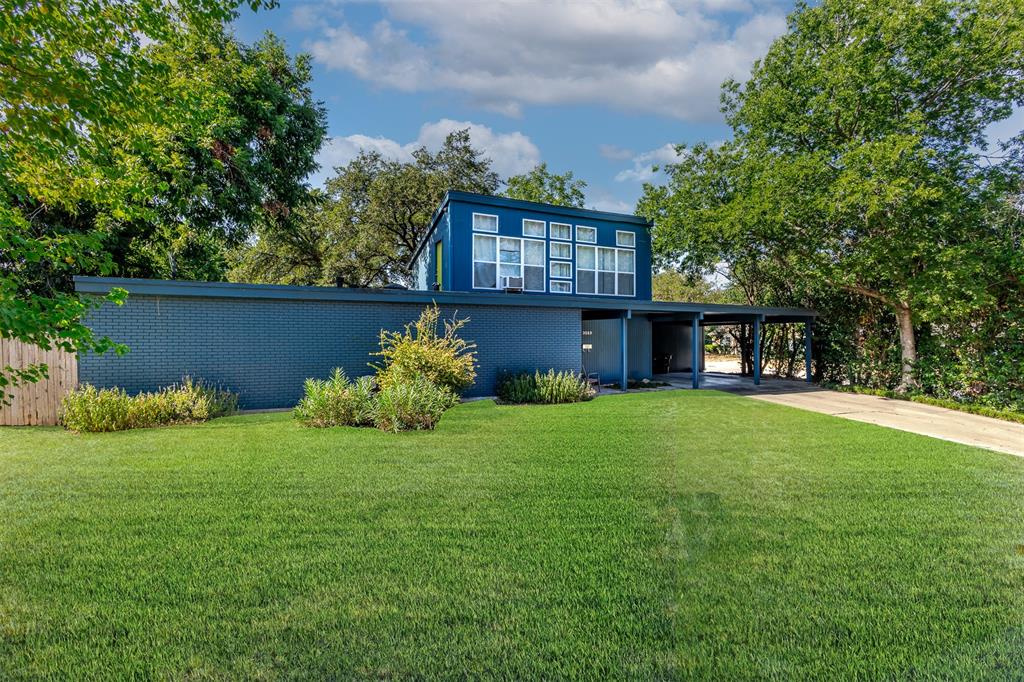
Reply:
x=561, y=269
x=625, y=266
x=561, y=250
x=485, y=262
x=483, y=222
x=533, y=265
x=605, y=271
x=534, y=228
x=561, y=231
x=561, y=287
x=518, y=263
x=586, y=234
x=586, y=265
x=623, y=238
x=510, y=259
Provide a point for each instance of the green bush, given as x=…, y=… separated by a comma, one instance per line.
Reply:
x=518, y=388
x=549, y=388
x=336, y=401
x=419, y=351
x=411, y=405
x=89, y=409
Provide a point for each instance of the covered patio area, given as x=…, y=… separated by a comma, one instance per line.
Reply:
x=653, y=339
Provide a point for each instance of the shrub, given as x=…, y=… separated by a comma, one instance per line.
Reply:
x=550, y=388
x=89, y=409
x=419, y=351
x=336, y=401
x=411, y=405
x=518, y=388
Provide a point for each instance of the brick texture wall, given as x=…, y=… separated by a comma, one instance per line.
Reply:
x=265, y=348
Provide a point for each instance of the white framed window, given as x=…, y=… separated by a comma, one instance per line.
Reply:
x=484, y=222
x=533, y=265
x=625, y=267
x=485, y=262
x=520, y=264
x=586, y=270
x=561, y=269
x=605, y=271
x=510, y=262
x=561, y=231
x=560, y=287
x=559, y=250
x=587, y=235
x=534, y=228
x=625, y=238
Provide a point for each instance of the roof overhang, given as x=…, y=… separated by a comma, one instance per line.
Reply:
x=610, y=306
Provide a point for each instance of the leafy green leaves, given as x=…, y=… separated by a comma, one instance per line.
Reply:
x=96, y=117
x=543, y=186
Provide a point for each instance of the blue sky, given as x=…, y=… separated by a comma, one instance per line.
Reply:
x=600, y=88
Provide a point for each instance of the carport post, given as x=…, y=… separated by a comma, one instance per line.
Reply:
x=696, y=344
x=624, y=320
x=808, y=325
x=757, y=349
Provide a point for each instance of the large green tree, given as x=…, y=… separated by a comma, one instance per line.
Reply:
x=373, y=214
x=239, y=159
x=858, y=164
x=95, y=119
x=545, y=187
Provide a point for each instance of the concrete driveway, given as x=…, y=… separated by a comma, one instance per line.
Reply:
x=927, y=420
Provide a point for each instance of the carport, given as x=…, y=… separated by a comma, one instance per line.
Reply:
x=648, y=338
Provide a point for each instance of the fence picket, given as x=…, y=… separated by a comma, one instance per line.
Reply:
x=38, y=403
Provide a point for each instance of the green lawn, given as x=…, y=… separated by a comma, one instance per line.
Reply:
x=659, y=535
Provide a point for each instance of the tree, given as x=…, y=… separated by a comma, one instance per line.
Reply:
x=366, y=225
x=672, y=285
x=545, y=187
x=240, y=158
x=80, y=106
x=857, y=164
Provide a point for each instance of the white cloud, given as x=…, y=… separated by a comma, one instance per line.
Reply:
x=641, y=55
x=511, y=153
x=644, y=164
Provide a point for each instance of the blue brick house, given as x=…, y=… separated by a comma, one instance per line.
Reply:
x=544, y=287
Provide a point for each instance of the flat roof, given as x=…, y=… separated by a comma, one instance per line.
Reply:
x=505, y=202
x=716, y=313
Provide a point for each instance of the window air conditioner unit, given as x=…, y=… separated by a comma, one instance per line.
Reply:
x=514, y=284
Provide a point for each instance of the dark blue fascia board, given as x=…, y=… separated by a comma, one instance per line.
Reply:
x=489, y=200
x=162, y=287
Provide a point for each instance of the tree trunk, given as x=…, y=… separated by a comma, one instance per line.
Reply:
x=908, y=349
x=908, y=344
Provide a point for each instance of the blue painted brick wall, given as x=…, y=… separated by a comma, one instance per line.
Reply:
x=265, y=349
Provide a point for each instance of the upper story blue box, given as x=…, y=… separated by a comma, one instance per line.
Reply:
x=485, y=243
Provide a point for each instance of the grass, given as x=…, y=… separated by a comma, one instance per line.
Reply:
x=654, y=535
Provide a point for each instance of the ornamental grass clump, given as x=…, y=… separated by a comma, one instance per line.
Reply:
x=336, y=401
x=411, y=405
x=549, y=388
x=445, y=360
x=90, y=409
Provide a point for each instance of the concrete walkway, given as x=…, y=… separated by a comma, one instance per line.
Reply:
x=927, y=420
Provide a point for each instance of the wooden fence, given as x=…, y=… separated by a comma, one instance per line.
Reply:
x=37, y=404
